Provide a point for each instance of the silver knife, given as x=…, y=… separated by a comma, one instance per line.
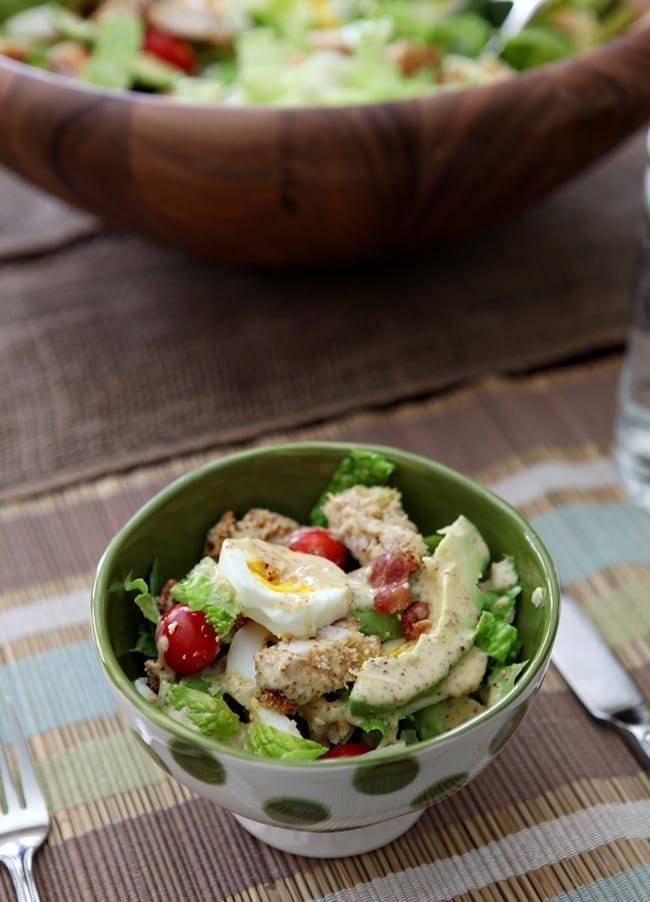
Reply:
x=598, y=678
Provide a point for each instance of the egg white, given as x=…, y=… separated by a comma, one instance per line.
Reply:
x=290, y=593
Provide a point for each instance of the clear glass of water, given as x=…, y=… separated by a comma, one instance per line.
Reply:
x=632, y=438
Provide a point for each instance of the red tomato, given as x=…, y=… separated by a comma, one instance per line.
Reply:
x=347, y=750
x=172, y=50
x=187, y=641
x=316, y=540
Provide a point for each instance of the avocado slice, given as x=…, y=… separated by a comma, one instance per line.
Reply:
x=449, y=586
x=445, y=715
x=464, y=678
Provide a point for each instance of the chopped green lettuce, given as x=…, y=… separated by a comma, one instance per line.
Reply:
x=204, y=589
x=359, y=467
x=144, y=599
x=151, y=72
x=198, y=90
x=495, y=636
x=269, y=742
x=465, y=34
x=73, y=27
x=156, y=580
x=501, y=603
x=145, y=643
x=500, y=681
x=495, y=633
x=119, y=38
x=211, y=715
x=195, y=682
x=535, y=46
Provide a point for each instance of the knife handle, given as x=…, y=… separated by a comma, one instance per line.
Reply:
x=634, y=726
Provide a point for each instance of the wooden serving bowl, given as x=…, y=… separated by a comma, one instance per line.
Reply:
x=321, y=185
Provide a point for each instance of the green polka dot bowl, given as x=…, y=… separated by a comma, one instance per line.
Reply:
x=317, y=808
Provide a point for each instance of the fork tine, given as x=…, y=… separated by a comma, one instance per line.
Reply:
x=10, y=795
x=32, y=792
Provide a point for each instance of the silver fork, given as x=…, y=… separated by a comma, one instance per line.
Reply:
x=24, y=822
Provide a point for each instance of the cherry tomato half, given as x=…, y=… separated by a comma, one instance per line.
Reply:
x=187, y=641
x=170, y=49
x=348, y=749
x=316, y=540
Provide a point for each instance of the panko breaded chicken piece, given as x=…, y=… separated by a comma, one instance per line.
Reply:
x=258, y=523
x=371, y=521
x=306, y=668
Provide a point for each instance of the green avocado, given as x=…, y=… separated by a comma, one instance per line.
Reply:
x=445, y=715
x=449, y=586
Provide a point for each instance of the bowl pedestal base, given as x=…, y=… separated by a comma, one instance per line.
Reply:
x=333, y=844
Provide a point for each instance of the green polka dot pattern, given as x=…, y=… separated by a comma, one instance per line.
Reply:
x=440, y=790
x=381, y=779
x=197, y=764
x=505, y=732
x=296, y=811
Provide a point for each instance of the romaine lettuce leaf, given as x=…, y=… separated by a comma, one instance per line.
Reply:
x=535, y=46
x=501, y=603
x=211, y=715
x=269, y=742
x=494, y=636
x=119, y=38
x=145, y=643
x=206, y=590
x=195, y=682
x=144, y=599
x=500, y=681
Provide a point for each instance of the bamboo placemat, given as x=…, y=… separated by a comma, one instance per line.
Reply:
x=562, y=813
x=115, y=352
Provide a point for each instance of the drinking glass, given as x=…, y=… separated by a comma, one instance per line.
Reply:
x=632, y=436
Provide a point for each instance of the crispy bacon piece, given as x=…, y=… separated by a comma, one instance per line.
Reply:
x=270, y=698
x=415, y=620
x=389, y=575
x=395, y=597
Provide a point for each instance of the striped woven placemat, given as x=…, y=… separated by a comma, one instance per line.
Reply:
x=562, y=812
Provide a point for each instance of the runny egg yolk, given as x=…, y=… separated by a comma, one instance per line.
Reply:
x=288, y=592
x=272, y=578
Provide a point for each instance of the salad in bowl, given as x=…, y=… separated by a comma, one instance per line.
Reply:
x=324, y=638
x=297, y=52
x=352, y=633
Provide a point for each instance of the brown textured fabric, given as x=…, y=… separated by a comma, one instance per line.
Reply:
x=114, y=351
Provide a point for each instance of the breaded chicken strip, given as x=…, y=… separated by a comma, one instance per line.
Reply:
x=305, y=668
x=371, y=521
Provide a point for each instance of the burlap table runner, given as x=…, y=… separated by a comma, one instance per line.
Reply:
x=114, y=351
x=563, y=811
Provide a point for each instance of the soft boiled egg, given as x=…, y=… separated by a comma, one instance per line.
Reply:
x=290, y=593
